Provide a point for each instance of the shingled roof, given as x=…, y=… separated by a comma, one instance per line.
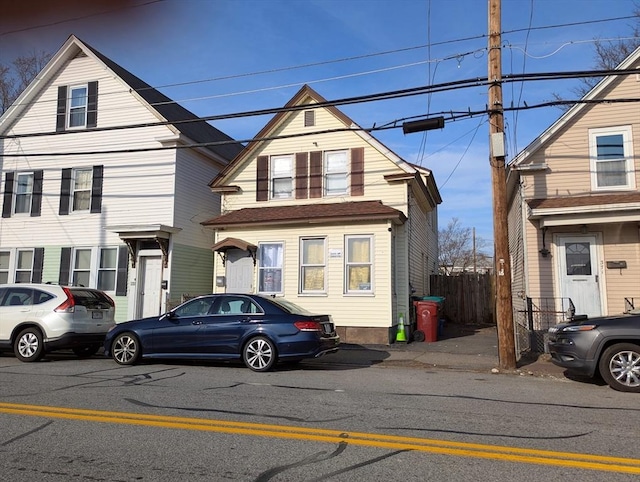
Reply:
x=308, y=213
x=580, y=201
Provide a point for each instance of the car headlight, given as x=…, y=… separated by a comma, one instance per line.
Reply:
x=573, y=328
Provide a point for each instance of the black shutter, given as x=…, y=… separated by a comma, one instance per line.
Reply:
x=8, y=195
x=36, y=198
x=65, y=191
x=96, y=189
x=61, y=113
x=92, y=105
x=123, y=267
x=65, y=266
x=262, y=179
x=38, y=261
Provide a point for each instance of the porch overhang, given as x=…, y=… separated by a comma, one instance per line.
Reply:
x=221, y=247
x=596, y=209
x=133, y=233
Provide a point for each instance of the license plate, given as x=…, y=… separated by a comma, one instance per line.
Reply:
x=96, y=315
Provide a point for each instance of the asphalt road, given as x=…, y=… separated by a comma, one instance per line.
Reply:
x=66, y=419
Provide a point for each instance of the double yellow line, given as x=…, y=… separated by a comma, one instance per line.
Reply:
x=461, y=449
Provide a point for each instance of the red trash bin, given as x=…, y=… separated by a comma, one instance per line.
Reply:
x=427, y=319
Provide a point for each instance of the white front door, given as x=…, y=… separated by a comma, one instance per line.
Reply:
x=239, y=272
x=579, y=273
x=149, y=286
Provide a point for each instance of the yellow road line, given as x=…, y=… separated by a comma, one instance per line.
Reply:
x=495, y=452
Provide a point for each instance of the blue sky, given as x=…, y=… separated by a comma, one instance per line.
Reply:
x=225, y=56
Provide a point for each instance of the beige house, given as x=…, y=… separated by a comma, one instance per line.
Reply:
x=574, y=220
x=320, y=212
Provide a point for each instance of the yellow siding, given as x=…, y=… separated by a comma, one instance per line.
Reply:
x=621, y=243
x=366, y=310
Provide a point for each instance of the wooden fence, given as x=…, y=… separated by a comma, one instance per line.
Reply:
x=468, y=297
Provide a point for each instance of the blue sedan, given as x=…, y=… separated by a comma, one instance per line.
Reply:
x=259, y=330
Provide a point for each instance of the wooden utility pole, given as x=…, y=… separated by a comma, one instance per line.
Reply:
x=504, y=304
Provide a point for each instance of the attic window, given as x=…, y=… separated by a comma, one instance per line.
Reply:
x=309, y=118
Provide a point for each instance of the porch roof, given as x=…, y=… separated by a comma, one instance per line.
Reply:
x=308, y=214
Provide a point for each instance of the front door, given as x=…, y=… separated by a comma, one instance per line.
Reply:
x=240, y=271
x=579, y=273
x=149, y=286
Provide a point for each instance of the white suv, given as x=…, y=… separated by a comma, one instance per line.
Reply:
x=39, y=318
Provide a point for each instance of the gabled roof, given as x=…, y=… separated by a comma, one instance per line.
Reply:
x=306, y=96
x=568, y=116
x=308, y=214
x=162, y=106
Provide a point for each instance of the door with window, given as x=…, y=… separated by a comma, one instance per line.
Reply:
x=149, y=286
x=579, y=273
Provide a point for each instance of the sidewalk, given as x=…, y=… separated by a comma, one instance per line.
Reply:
x=460, y=347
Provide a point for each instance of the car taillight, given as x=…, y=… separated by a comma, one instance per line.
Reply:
x=308, y=326
x=67, y=306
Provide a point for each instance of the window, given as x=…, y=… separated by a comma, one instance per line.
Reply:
x=24, y=192
x=24, y=266
x=611, y=158
x=78, y=99
x=5, y=257
x=336, y=171
x=270, y=268
x=81, y=189
x=107, y=269
x=104, y=268
x=81, y=268
x=359, y=264
x=77, y=106
x=312, y=265
x=281, y=176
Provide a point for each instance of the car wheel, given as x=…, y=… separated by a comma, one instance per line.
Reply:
x=28, y=346
x=86, y=351
x=125, y=349
x=259, y=354
x=620, y=367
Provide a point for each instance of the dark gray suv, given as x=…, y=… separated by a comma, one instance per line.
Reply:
x=608, y=346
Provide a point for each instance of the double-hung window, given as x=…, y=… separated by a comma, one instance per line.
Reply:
x=81, y=191
x=336, y=172
x=78, y=99
x=104, y=268
x=107, y=269
x=5, y=258
x=24, y=266
x=359, y=264
x=24, y=192
x=270, y=256
x=281, y=176
x=312, y=265
x=611, y=155
x=81, y=267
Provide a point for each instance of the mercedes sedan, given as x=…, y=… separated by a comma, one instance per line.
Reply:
x=258, y=330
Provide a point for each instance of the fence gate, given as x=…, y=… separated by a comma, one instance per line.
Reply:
x=532, y=323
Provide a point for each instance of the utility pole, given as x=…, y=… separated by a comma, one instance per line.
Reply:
x=504, y=303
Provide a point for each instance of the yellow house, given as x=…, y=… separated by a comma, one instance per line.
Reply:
x=320, y=212
x=574, y=220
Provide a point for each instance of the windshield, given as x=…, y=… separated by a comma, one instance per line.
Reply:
x=288, y=306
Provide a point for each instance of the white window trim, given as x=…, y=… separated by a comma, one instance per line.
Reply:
x=260, y=268
x=74, y=176
x=86, y=106
x=301, y=266
x=15, y=192
x=272, y=177
x=326, y=173
x=16, y=270
x=94, y=266
x=10, y=269
x=627, y=139
x=371, y=263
